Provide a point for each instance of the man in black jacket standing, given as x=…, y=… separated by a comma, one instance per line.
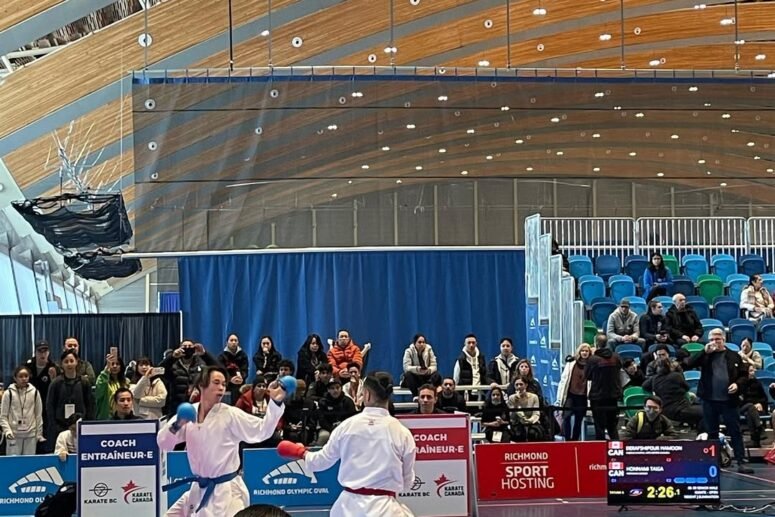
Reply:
x=723, y=376
x=43, y=372
x=603, y=371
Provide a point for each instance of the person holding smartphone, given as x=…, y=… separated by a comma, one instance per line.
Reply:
x=148, y=390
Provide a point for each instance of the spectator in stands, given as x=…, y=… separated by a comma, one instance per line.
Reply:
x=525, y=370
x=653, y=326
x=318, y=389
x=181, y=371
x=754, y=405
x=470, y=368
x=111, y=378
x=67, y=440
x=344, y=352
x=255, y=400
x=605, y=390
x=674, y=392
x=21, y=415
x=657, y=279
x=750, y=356
x=495, y=418
x=235, y=360
x=333, y=409
x=556, y=250
x=124, y=403
x=661, y=352
x=722, y=378
x=309, y=358
x=525, y=425
x=69, y=393
x=572, y=392
x=419, y=365
x=450, y=400
x=426, y=401
x=622, y=326
x=631, y=374
x=354, y=388
x=503, y=368
x=84, y=366
x=650, y=423
x=267, y=359
x=285, y=368
x=43, y=372
x=299, y=422
x=148, y=391
x=683, y=323
x=756, y=300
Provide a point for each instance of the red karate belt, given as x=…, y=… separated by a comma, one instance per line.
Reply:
x=370, y=491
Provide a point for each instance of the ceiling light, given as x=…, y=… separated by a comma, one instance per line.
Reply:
x=757, y=157
x=418, y=167
x=633, y=153
x=519, y=141
x=484, y=62
x=617, y=108
x=385, y=148
x=529, y=169
x=357, y=94
x=693, y=88
x=560, y=153
x=639, y=115
x=265, y=33
x=771, y=75
x=654, y=62
x=471, y=131
x=333, y=127
x=722, y=184
x=599, y=94
x=443, y=98
x=595, y=135
x=751, y=144
x=734, y=130
x=700, y=161
x=740, y=42
x=464, y=173
x=555, y=119
x=488, y=157
x=505, y=108
x=399, y=181
x=708, y=173
x=700, y=6
x=349, y=182
x=674, y=137
x=605, y=37
x=390, y=50
x=334, y=195
x=769, y=170
x=595, y=169
x=726, y=115
x=727, y=21
x=760, y=57
x=660, y=174
x=539, y=11
x=707, y=104
x=364, y=166
x=442, y=150
x=410, y=126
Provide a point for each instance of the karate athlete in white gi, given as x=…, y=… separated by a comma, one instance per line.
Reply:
x=212, y=444
x=377, y=455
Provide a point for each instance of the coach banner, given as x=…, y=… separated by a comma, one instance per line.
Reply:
x=26, y=480
x=118, y=468
x=541, y=470
x=288, y=483
x=441, y=484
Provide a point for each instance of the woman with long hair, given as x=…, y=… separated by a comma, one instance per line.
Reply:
x=495, y=417
x=657, y=279
x=21, y=415
x=572, y=392
x=310, y=356
x=267, y=358
x=149, y=391
x=69, y=393
x=757, y=300
x=110, y=379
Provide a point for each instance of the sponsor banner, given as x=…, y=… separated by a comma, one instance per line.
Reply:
x=26, y=480
x=118, y=468
x=533, y=334
x=441, y=484
x=177, y=467
x=542, y=470
x=289, y=483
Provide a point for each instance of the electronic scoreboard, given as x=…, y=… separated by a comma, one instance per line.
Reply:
x=663, y=472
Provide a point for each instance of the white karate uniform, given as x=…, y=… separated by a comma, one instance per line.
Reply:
x=376, y=452
x=213, y=451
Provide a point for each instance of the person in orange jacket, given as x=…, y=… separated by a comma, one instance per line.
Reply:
x=343, y=352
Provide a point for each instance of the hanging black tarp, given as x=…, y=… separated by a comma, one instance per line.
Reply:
x=78, y=221
x=102, y=264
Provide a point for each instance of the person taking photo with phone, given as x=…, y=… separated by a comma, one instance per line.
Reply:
x=148, y=390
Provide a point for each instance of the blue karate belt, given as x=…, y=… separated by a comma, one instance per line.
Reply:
x=208, y=484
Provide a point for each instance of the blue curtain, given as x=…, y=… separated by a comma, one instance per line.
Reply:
x=380, y=297
x=169, y=302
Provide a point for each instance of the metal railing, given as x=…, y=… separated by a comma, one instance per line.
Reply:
x=593, y=236
x=701, y=235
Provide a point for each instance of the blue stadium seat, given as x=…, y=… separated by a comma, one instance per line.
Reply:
x=634, y=266
x=683, y=285
x=767, y=331
x=694, y=266
x=769, y=364
x=601, y=309
x=621, y=286
x=741, y=328
x=769, y=282
x=725, y=308
x=579, y=266
x=736, y=283
x=692, y=379
x=591, y=287
x=666, y=302
x=766, y=378
x=637, y=304
x=765, y=349
x=709, y=324
x=723, y=265
x=607, y=265
x=700, y=306
x=751, y=265
x=629, y=350
x=733, y=347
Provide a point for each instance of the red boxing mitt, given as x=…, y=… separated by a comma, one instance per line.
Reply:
x=288, y=449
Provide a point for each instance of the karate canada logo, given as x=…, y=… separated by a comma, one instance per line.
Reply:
x=446, y=487
x=290, y=474
x=136, y=494
x=40, y=481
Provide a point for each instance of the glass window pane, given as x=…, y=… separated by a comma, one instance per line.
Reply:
x=9, y=303
x=26, y=288
x=70, y=295
x=59, y=293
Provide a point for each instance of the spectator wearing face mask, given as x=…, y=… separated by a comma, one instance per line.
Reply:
x=650, y=423
x=181, y=371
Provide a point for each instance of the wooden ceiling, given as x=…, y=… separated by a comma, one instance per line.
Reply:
x=438, y=33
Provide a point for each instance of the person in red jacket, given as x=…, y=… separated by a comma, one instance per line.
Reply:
x=342, y=353
x=255, y=402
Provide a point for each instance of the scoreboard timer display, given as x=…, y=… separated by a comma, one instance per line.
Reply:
x=663, y=472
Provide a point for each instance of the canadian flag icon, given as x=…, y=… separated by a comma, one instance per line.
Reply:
x=615, y=445
x=615, y=465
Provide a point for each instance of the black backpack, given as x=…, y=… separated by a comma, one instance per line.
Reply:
x=61, y=504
